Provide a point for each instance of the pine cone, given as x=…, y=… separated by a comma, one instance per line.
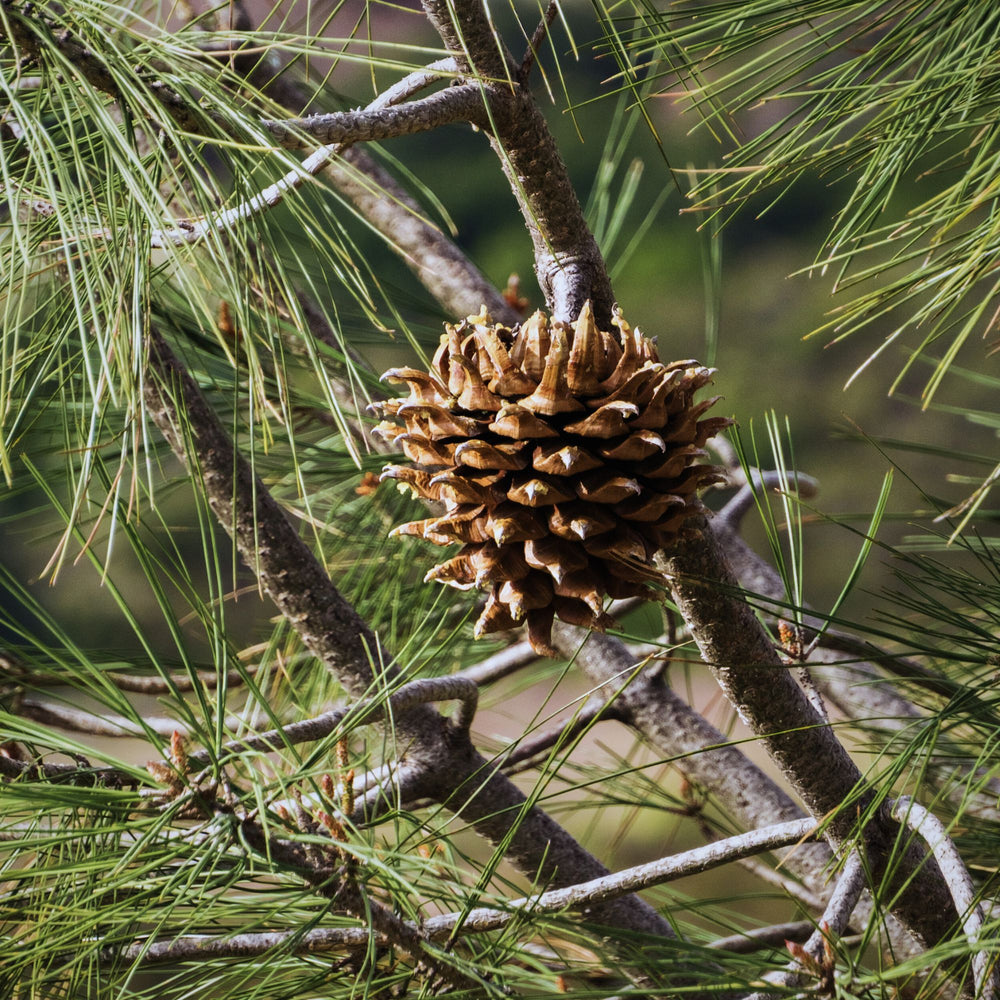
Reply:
x=565, y=457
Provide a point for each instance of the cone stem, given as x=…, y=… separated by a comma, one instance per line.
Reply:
x=568, y=263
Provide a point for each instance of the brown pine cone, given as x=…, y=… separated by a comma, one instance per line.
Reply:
x=565, y=457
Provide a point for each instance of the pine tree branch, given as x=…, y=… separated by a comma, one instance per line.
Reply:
x=335, y=880
x=37, y=33
x=692, y=862
x=384, y=118
x=502, y=664
x=963, y=891
x=423, y=691
x=451, y=105
x=444, y=270
x=77, y=720
x=83, y=775
x=740, y=655
x=568, y=263
x=484, y=919
x=696, y=748
x=815, y=958
x=857, y=688
x=760, y=938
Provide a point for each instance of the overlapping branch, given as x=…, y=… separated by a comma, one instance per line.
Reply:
x=291, y=575
x=728, y=633
x=483, y=919
x=441, y=763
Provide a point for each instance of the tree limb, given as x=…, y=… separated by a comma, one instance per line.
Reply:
x=963, y=892
x=816, y=954
x=696, y=748
x=453, y=104
x=483, y=919
x=568, y=263
x=733, y=643
x=759, y=938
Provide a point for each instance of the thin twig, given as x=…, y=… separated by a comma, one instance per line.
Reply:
x=843, y=900
x=78, y=720
x=375, y=122
x=424, y=691
x=795, y=890
x=816, y=955
x=526, y=752
x=692, y=862
x=963, y=891
x=484, y=919
x=760, y=938
x=531, y=54
x=335, y=126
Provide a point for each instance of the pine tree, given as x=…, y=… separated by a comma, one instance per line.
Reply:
x=189, y=392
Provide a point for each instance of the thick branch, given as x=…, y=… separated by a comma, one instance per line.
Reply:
x=739, y=652
x=568, y=263
x=696, y=748
x=288, y=571
x=331, y=629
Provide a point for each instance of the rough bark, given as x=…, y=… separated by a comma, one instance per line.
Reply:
x=696, y=748
x=568, y=263
x=728, y=634
x=804, y=747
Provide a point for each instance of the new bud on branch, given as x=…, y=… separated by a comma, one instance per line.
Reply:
x=565, y=457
